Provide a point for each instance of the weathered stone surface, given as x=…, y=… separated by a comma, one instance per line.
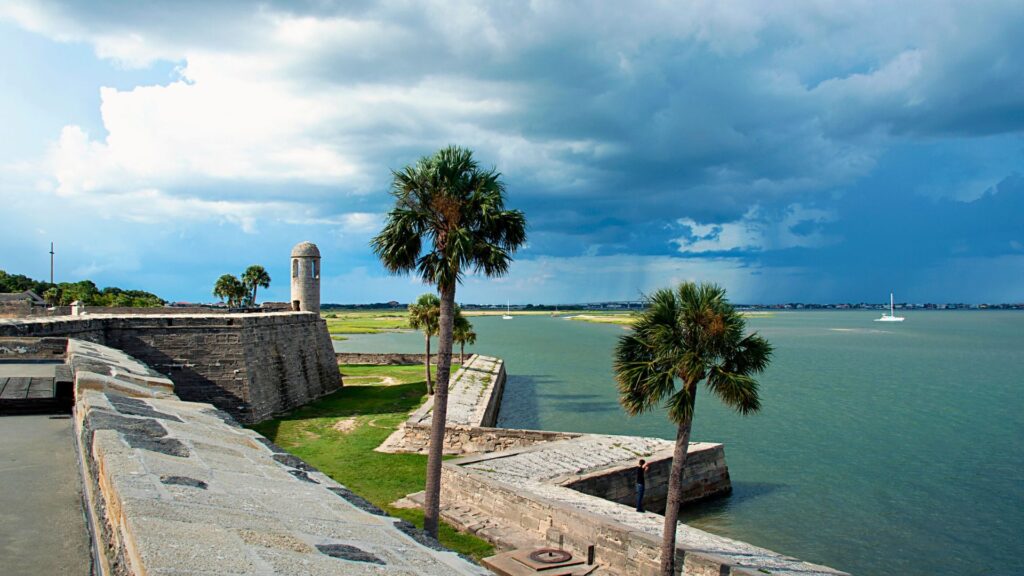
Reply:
x=183, y=481
x=474, y=398
x=136, y=407
x=351, y=553
x=233, y=503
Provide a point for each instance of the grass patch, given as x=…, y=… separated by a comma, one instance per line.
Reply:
x=608, y=318
x=365, y=322
x=348, y=457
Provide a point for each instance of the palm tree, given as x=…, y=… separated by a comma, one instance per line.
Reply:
x=687, y=336
x=424, y=315
x=230, y=288
x=254, y=277
x=462, y=334
x=449, y=218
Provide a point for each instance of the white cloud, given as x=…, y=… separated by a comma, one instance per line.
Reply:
x=755, y=232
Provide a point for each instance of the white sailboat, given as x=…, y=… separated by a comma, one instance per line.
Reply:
x=891, y=316
x=507, y=315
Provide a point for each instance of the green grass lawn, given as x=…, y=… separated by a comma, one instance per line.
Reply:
x=372, y=410
x=368, y=322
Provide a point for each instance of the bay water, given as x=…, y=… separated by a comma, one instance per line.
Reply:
x=880, y=448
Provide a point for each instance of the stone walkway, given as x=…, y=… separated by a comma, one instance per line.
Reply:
x=42, y=527
x=182, y=489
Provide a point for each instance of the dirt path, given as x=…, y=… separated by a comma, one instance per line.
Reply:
x=373, y=380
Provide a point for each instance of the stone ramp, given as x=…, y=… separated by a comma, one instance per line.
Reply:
x=179, y=488
x=473, y=392
x=474, y=398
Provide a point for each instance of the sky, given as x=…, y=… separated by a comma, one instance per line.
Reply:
x=790, y=151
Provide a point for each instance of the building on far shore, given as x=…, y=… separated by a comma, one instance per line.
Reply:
x=20, y=303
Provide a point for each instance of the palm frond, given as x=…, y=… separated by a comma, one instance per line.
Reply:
x=735, y=390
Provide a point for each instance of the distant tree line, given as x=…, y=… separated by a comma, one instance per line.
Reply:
x=85, y=291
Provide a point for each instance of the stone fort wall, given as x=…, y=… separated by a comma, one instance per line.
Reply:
x=252, y=366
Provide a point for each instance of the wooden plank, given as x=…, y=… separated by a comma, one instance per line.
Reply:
x=63, y=373
x=16, y=388
x=40, y=388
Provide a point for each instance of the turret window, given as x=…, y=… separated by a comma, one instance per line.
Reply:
x=295, y=267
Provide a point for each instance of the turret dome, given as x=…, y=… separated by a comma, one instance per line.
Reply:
x=305, y=250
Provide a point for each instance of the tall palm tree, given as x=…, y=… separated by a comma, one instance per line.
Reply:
x=229, y=288
x=462, y=334
x=254, y=277
x=449, y=218
x=425, y=315
x=685, y=337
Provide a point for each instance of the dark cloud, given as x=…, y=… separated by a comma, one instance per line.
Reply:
x=612, y=123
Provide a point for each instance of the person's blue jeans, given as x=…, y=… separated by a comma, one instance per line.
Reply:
x=639, y=497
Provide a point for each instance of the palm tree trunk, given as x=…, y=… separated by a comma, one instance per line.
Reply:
x=432, y=498
x=675, y=492
x=254, y=287
x=426, y=365
x=462, y=353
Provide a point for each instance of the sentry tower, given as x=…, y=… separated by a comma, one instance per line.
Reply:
x=306, y=277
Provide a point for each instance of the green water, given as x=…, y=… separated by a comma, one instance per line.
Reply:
x=880, y=449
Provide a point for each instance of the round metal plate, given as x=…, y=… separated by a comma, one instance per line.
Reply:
x=550, y=556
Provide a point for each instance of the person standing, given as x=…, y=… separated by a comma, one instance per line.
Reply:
x=641, y=483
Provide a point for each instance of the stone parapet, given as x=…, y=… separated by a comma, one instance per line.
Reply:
x=176, y=487
x=251, y=365
x=382, y=359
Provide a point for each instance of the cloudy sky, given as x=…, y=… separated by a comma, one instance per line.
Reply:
x=791, y=151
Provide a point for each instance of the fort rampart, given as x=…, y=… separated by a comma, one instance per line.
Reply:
x=175, y=487
x=252, y=366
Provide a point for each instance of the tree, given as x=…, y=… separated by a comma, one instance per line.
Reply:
x=449, y=217
x=462, y=334
x=230, y=288
x=685, y=337
x=425, y=315
x=52, y=296
x=254, y=277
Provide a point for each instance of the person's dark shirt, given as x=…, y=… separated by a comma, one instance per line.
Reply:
x=640, y=475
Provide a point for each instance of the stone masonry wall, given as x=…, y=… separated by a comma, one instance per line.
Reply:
x=33, y=349
x=619, y=548
x=467, y=439
x=253, y=366
x=383, y=359
x=707, y=475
